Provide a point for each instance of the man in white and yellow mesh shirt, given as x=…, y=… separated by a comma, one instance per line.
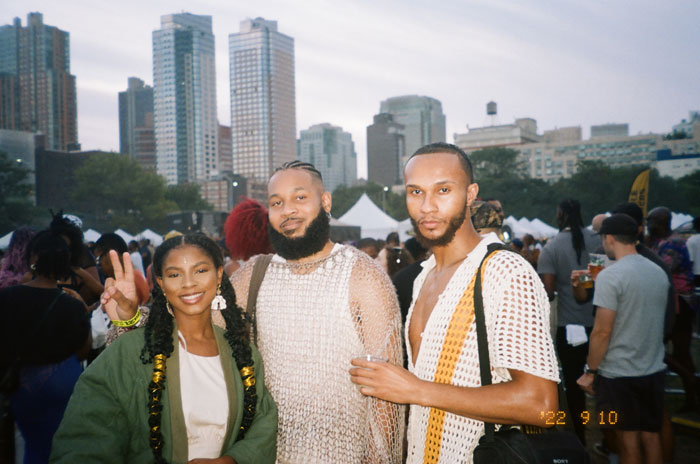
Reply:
x=319, y=306
x=443, y=383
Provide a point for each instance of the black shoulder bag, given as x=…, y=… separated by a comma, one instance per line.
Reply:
x=510, y=444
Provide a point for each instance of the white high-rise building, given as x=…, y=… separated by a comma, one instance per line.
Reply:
x=332, y=152
x=184, y=98
x=263, y=119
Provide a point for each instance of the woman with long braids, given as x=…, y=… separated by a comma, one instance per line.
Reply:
x=566, y=252
x=180, y=389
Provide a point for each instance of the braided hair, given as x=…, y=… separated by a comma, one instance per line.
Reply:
x=159, y=340
x=571, y=217
x=297, y=164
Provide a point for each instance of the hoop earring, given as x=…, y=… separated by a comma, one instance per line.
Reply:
x=167, y=305
x=219, y=302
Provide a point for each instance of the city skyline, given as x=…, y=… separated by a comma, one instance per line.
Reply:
x=563, y=64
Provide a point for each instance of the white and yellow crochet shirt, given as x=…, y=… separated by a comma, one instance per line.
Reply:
x=516, y=310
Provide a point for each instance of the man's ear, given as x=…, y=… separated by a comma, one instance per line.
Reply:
x=326, y=202
x=472, y=193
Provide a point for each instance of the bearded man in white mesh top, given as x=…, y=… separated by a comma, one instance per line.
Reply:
x=319, y=306
x=443, y=384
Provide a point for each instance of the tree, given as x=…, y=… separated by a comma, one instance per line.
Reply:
x=520, y=196
x=16, y=205
x=677, y=135
x=187, y=197
x=113, y=191
x=496, y=162
x=689, y=188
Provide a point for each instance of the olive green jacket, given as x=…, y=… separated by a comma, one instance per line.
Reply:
x=106, y=420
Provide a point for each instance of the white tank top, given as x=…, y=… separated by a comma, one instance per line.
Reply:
x=204, y=402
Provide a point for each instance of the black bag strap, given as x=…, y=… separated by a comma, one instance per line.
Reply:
x=28, y=341
x=482, y=340
x=259, y=269
x=480, y=321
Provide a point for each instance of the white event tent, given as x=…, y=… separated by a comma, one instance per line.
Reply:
x=91, y=235
x=125, y=235
x=374, y=222
x=155, y=238
x=5, y=240
x=536, y=228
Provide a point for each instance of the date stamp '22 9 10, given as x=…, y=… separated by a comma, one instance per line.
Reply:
x=559, y=417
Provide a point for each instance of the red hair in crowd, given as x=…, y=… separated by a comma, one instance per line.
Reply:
x=246, y=230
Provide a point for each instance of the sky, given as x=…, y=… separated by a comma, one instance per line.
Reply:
x=561, y=62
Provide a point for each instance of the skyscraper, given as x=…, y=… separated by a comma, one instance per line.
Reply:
x=136, y=131
x=422, y=118
x=184, y=98
x=263, y=119
x=225, y=154
x=37, y=90
x=385, y=150
x=332, y=152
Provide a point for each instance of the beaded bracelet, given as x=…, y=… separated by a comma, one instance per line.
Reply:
x=131, y=322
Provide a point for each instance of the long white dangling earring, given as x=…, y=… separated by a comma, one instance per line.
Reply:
x=219, y=302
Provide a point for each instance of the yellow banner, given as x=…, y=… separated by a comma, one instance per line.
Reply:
x=639, y=193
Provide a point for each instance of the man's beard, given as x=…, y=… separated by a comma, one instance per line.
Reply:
x=454, y=224
x=314, y=239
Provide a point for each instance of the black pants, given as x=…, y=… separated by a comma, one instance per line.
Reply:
x=572, y=359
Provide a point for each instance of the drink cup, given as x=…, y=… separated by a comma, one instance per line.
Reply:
x=586, y=280
x=371, y=358
x=596, y=264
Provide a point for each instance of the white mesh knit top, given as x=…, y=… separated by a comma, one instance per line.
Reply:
x=312, y=319
x=516, y=310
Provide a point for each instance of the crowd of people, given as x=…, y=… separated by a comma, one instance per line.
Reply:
x=275, y=344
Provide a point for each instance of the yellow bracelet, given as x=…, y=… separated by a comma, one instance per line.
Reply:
x=131, y=322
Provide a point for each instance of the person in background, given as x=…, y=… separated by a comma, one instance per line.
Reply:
x=608, y=445
x=15, y=264
x=369, y=246
x=568, y=251
x=530, y=251
x=403, y=279
x=693, y=245
x=597, y=222
x=145, y=251
x=84, y=277
x=485, y=218
x=392, y=241
x=517, y=245
x=625, y=367
x=135, y=255
x=673, y=251
x=245, y=231
x=497, y=206
x=48, y=329
x=70, y=228
x=397, y=258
